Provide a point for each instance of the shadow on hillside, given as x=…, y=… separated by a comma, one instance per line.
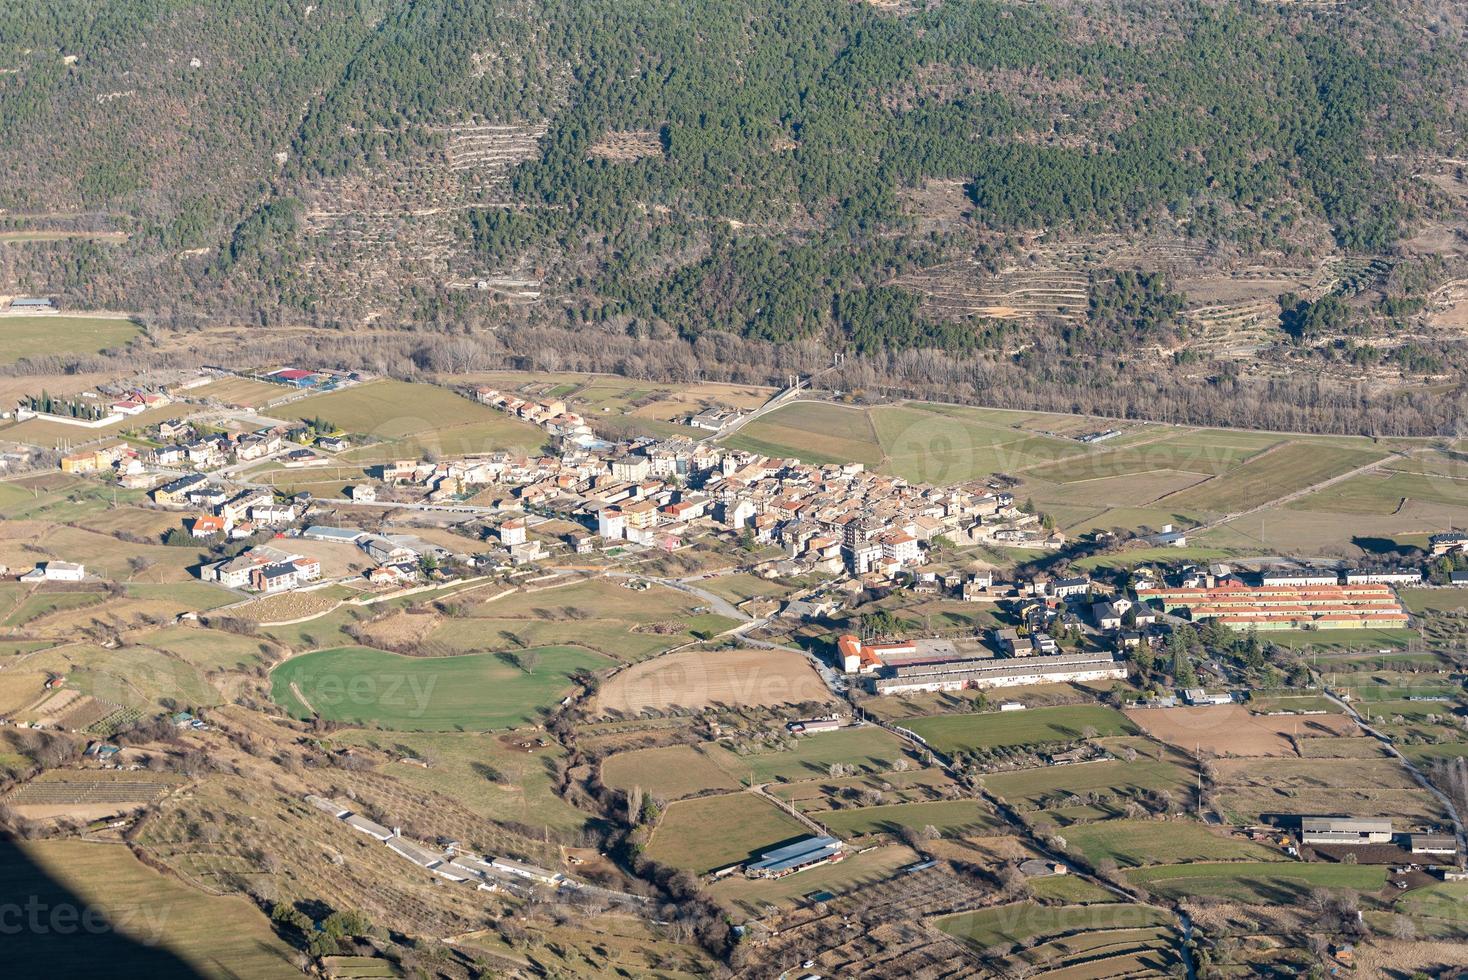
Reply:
x=46, y=930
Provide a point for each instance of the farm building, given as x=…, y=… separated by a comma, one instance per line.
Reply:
x=1275, y=607
x=1345, y=830
x=808, y=852
x=31, y=305
x=1434, y=844
x=56, y=571
x=975, y=673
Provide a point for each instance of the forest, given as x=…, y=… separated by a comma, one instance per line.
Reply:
x=239, y=145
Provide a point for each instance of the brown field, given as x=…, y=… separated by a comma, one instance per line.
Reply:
x=1249, y=789
x=1230, y=730
x=1395, y=958
x=288, y=606
x=697, y=678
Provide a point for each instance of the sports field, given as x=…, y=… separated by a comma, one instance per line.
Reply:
x=1068, y=723
x=359, y=685
x=1267, y=883
x=242, y=392
x=39, y=336
x=123, y=919
x=715, y=831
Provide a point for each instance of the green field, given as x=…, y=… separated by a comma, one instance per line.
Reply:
x=950, y=733
x=362, y=686
x=1262, y=883
x=207, y=648
x=869, y=749
x=1134, y=843
x=1273, y=475
x=139, y=923
x=1037, y=787
x=1010, y=925
x=950, y=817
x=45, y=603
x=716, y=831
x=132, y=676
x=40, y=336
x=670, y=772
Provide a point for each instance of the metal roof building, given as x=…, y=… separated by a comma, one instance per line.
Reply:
x=793, y=857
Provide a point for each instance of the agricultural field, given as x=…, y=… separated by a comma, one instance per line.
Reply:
x=206, y=648
x=1051, y=786
x=134, y=677
x=597, y=613
x=953, y=818
x=1136, y=843
x=1269, y=476
x=358, y=685
x=1021, y=923
x=88, y=794
x=698, y=678
x=417, y=418
x=157, y=926
x=43, y=336
x=867, y=748
x=1270, y=883
x=816, y=432
x=1248, y=790
x=670, y=772
x=498, y=777
x=715, y=831
x=1231, y=730
x=1036, y=726
x=750, y=896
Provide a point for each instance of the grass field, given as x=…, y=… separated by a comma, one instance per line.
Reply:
x=33, y=336
x=715, y=831
x=950, y=733
x=481, y=691
x=1249, y=789
x=132, y=676
x=207, y=648
x=1010, y=925
x=1034, y=787
x=950, y=817
x=1134, y=843
x=127, y=920
x=1265, y=883
x=869, y=749
x=670, y=772
x=422, y=415
x=1270, y=476
x=489, y=774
